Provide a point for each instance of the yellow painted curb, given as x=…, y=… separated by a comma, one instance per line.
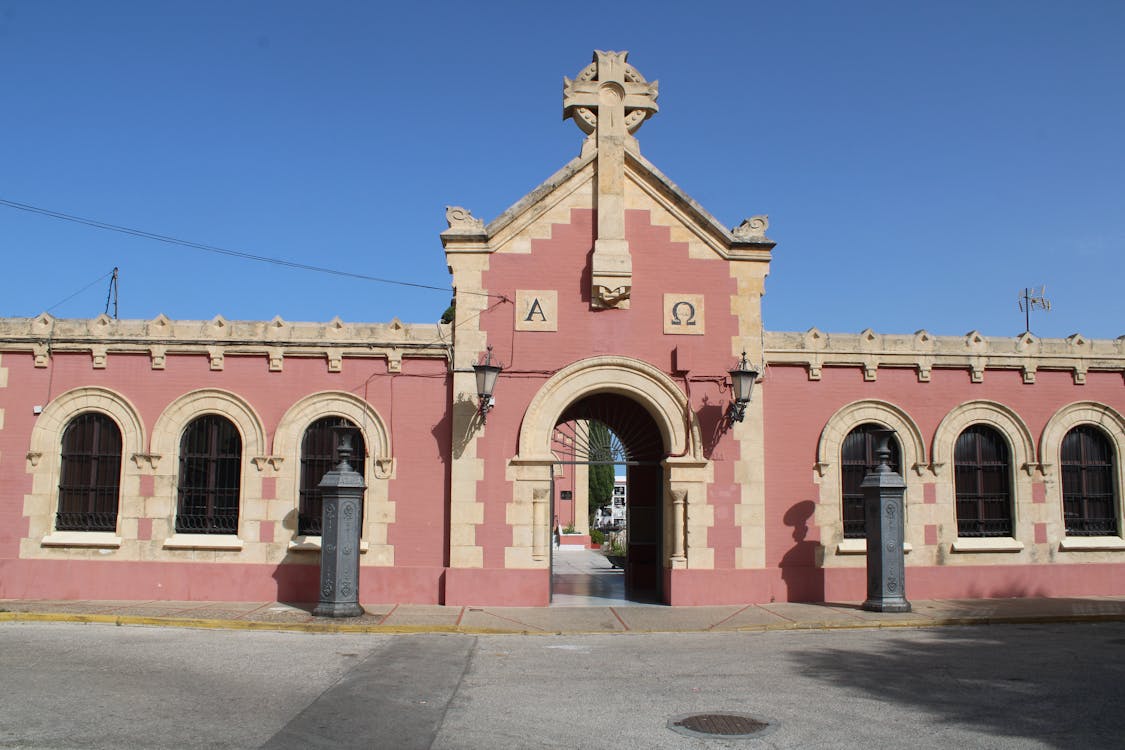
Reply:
x=344, y=627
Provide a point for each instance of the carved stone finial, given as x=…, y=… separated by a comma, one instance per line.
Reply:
x=753, y=228
x=609, y=87
x=609, y=100
x=462, y=220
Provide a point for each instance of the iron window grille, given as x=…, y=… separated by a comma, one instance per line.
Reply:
x=90, y=474
x=982, y=471
x=318, y=457
x=1087, y=461
x=210, y=477
x=857, y=457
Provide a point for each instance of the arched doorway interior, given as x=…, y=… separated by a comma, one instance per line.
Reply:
x=677, y=486
x=611, y=430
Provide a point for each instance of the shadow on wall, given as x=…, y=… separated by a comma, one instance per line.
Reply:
x=804, y=578
x=442, y=432
x=1047, y=685
x=712, y=426
x=464, y=412
x=297, y=577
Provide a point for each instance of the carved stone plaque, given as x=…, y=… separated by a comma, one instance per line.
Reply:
x=537, y=310
x=683, y=314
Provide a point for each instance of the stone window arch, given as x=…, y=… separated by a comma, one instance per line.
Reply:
x=44, y=463
x=377, y=469
x=857, y=458
x=167, y=446
x=1109, y=424
x=829, y=469
x=983, y=482
x=1087, y=464
x=1021, y=462
x=89, y=474
x=209, y=486
x=319, y=456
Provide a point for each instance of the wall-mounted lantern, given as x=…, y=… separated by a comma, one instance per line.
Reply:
x=742, y=380
x=486, y=380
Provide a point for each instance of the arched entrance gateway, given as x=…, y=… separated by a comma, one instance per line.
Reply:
x=608, y=432
x=607, y=294
x=658, y=447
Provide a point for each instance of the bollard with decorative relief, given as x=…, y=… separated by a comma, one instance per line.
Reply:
x=883, y=491
x=342, y=489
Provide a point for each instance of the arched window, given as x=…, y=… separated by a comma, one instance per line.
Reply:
x=318, y=457
x=983, y=479
x=1087, y=478
x=90, y=475
x=857, y=457
x=210, y=477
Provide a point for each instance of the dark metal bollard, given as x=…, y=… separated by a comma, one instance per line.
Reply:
x=342, y=489
x=883, y=491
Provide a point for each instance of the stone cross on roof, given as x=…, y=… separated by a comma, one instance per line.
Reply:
x=609, y=100
x=613, y=88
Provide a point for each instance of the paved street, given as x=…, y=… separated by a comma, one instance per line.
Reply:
x=1002, y=686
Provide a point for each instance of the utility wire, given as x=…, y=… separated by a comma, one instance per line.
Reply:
x=95, y=281
x=221, y=250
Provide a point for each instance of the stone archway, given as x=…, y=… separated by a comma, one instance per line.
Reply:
x=678, y=475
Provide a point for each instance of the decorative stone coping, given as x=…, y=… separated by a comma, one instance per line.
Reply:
x=923, y=352
x=219, y=337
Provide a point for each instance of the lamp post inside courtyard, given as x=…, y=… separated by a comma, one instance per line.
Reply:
x=883, y=491
x=342, y=490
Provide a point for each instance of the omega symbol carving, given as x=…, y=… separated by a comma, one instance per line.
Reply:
x=685, y=309
x=684, y=314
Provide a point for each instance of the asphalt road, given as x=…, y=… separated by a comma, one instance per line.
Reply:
x=100, y=686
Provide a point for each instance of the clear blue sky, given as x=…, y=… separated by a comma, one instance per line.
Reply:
x=920, y=162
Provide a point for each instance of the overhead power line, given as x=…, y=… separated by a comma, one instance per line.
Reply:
x=72, y=296
x=221, y=250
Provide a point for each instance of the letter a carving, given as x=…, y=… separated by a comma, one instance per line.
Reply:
x=536, y=309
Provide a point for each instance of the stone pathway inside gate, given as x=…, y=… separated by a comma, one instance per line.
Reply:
x=584, y=578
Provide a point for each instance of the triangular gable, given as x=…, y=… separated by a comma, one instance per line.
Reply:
x=647, y=187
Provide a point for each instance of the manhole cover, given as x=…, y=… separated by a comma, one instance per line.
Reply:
x=719, y=724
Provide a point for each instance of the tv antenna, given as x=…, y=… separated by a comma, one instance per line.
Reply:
x=111, y=295
x=1029, y=300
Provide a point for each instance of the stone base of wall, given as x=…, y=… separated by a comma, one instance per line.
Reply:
x=987, y=582
x=83, y=579
x=497, y=587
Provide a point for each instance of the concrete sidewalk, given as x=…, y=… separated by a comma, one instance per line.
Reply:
x=589, y=597
x=411, y=618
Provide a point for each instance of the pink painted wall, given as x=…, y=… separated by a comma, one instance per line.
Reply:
x=413, y=405
x=565, y=510
x=796, y=411
x=531, y=357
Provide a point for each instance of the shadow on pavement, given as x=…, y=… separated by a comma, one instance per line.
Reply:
x=1058, y=685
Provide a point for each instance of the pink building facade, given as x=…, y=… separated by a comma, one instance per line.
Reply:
x=172, y=459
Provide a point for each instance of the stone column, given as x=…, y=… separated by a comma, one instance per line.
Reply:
x=883, y=491
x=342, y=490
x=679, y=511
